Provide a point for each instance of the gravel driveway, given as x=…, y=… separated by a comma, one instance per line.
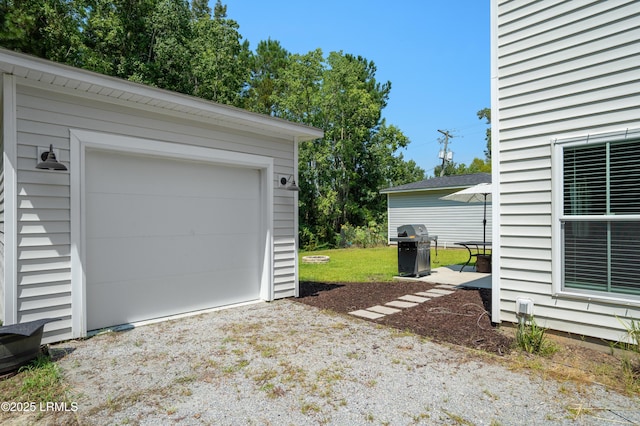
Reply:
x=286, y=363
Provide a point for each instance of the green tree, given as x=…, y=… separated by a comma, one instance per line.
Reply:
x=485, y=114
x=478, y=165
x=200, y=9
x=267, y=65
x=450, y=168
x=46, y=28
x=341, y=174
x=220, y=63
x=167, y=64
x=301, y=80
x=350, y=111
x=117, y=36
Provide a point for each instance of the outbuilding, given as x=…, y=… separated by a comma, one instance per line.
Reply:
x=170, y=204
x=420, y=203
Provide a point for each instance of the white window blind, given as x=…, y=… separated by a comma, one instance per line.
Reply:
x=601, y=217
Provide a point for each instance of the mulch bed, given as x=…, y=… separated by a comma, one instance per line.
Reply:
x=461, y=318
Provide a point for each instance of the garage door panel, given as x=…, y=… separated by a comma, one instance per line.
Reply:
x=136, y=215
x=138, y=303
x=159, y=176
x=175, y=255
x=167, y=236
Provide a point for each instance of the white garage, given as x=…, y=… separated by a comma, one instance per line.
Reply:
x=169, y=204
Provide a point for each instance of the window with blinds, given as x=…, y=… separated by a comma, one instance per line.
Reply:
x=601, y=217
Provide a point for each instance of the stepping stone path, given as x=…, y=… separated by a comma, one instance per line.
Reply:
x=403, y=302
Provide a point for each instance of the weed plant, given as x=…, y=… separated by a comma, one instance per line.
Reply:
x=633, y=333
x=531, y=338
x=631, y=365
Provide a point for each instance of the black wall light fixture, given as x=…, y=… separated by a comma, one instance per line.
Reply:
x=289, y=184
x=49, y=161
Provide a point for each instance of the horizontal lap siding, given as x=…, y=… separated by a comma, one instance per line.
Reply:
x=44, y=117
x=565, y=69
x=451, y=221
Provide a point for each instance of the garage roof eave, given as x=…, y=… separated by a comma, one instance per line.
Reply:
x=440, y=183
x=79, y=80
x=402, y=191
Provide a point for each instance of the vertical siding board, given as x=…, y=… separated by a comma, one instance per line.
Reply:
x=564, y=69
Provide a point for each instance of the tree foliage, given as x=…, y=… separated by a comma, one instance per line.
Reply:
x=341, y=174
x=485, y=114
x=268, y=65
x=45, y=28
x=190, y=48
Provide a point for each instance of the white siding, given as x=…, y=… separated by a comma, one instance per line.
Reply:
x=451, y=221
x=564, y=69
x=45, y=117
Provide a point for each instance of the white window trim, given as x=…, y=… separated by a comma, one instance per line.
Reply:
x=81, y=140
x=558, y=216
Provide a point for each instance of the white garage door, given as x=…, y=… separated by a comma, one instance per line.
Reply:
x=168, y=236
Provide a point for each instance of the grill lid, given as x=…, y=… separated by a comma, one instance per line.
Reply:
x=416, y=233
x=412, y=231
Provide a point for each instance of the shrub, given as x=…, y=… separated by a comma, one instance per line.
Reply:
x=362, y=236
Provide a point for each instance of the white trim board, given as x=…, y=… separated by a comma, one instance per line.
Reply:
x=10, y=158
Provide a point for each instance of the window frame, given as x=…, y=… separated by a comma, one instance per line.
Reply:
x=559, y=217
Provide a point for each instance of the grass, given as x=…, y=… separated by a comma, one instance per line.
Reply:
x=37, y=383
x=378, y=264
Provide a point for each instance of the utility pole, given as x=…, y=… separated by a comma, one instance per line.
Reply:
x=445, y=154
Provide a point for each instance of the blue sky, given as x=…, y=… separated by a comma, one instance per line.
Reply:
x=435, y=53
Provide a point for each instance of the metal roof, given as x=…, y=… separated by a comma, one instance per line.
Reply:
x=28, y=68
x=445, y=182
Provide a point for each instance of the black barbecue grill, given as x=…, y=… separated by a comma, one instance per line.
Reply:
x=414, y=250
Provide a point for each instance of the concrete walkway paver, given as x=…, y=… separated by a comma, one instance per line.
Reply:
x=429, y=294
x=401, y=304
x=440, y=291
x=447, y=280
x=384, y=310
x=366, y=314
x=413, y=298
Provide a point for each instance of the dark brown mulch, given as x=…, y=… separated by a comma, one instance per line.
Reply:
x=462, y=318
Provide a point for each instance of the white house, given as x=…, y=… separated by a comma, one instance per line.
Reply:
x=170, y=204
x=452, y=221
x=566, y=156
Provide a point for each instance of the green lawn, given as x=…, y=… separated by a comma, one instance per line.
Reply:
x=365, y=265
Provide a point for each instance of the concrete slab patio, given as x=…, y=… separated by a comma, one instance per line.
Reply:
x=451, y=275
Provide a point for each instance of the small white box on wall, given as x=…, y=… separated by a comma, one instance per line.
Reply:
x=524, y=307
